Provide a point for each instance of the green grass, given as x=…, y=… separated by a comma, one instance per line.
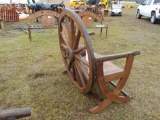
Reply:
x=31, y=72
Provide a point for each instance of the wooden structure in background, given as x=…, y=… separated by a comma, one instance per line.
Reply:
x=9, y=15
x=89, y=18
x=86, y=68
x=106, y=13
x=47, y=19
x=128, y=4
x=8, y=11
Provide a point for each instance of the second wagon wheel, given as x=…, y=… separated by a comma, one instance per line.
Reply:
x=76, y=50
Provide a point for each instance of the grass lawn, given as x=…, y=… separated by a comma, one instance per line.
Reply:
x=31, y=72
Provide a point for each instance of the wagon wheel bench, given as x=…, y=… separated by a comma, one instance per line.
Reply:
x=89, y=19
x=85, y=68
x=48, y=20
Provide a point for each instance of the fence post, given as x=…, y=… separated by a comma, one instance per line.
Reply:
x=1, y=24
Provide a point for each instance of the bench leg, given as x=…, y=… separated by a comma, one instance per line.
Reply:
x=106, y=31
x=112, y=96
x=117, y=98
x=109, y=98
x=107, y=101
x=101, y=106
x=101, y=31
x=29, y=33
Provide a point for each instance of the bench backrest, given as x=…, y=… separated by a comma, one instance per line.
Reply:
x=47, y=18
x=88, y=18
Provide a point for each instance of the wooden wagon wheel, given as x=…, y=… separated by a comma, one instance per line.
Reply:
x=74, y=42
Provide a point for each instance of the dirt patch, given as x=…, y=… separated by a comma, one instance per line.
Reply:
x=39, y=75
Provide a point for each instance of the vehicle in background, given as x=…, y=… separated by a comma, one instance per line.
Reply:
x=75, y=3
x=116, y=9
x=151, y=9
x=104, y=4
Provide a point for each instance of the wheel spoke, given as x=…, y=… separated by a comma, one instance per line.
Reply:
x=64, y=33
x=83, y=69
x=73, y=72
x=81, y=48
x=70, y=29
x=82, y=59
x=78, y=79
x=65, y=47
x=80, y=74
x=64, y=54
x=76, y=42
x=65, y=62
x=72, y=32
x=70, y=64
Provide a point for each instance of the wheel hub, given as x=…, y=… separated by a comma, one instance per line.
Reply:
x=70, y=55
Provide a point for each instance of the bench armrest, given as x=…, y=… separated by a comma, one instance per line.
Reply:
x=102, y=58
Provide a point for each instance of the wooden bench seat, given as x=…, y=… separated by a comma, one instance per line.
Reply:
x=111, y=71
x=43, y=27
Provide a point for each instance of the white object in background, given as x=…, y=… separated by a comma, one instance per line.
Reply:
x=116, y=9
x=23, y=16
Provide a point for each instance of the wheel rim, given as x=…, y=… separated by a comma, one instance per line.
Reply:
x=74, y=43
